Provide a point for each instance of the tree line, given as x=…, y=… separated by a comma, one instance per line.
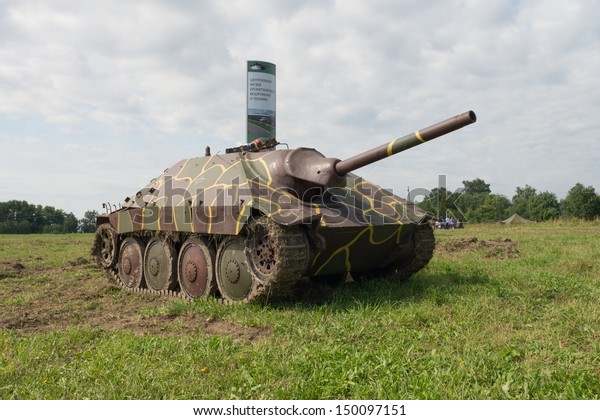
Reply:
x=476, y=203
x=21, y=217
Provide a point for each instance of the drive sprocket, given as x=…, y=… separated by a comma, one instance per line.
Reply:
x=274, y=256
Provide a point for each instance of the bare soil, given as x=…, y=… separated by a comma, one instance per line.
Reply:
x=499, y=248
x=35, y=300
x=10, y=269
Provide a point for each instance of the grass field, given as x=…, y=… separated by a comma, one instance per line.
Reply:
x=477, y=323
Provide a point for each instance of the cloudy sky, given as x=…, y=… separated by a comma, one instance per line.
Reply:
x=97, y=98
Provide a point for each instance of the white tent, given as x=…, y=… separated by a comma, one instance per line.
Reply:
x=515, y=219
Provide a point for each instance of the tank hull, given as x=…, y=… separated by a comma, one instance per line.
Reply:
x=250, y=225
x=355, y=226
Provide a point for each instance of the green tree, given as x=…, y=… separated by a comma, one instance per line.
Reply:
x=88, y=223
x=582, y=202
x=54, y=219
x=467, y=203
x=21, y=217
x=476, y=202
x=492, y=209
x=521, y=199
x=442, y=203
x=16, y=217
x=436, y=202
x=477, y=186
x=70, y=223
x=543, y=206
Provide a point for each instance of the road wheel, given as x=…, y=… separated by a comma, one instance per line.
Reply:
x=233, y=276
x=195, y=268
x=160, y=265
x=130, y=266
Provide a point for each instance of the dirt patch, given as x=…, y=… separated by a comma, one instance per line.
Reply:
x=178, y=325
x=76, y=295
x=499, y=248
x=17, y=266
x=46, y=288
x=78, y=261
x=11, y=269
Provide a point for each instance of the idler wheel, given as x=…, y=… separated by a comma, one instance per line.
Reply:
x=131, y=271
x=407, y=259
x=160, y=265
x=233, y=277
x=195, y=268
x=105, y=245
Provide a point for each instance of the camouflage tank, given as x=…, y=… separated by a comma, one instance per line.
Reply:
x=253, y=223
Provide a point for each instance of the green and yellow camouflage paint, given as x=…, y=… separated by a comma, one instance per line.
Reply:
x=342, y=222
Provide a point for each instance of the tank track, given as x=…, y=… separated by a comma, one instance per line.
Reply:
x=403, y=268
x=112, y=274
x=424, y=248
x=294, y=250
x=292, y=246
x=297, y=254
x=293, y=255
x=113, y=278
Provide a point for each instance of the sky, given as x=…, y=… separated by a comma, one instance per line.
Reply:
x=97, y=98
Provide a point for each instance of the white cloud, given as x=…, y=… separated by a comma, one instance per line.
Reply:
x=126, y=89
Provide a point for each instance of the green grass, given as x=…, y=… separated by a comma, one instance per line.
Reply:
x=466, y=327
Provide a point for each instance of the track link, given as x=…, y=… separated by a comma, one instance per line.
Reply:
x=112, y=273
x=424, y=248
x=292, y=254
x=113, y=278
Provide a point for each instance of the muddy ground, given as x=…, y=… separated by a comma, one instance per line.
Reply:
x=499, y=248
x=37, y=300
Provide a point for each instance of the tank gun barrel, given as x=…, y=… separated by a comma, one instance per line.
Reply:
x=396, y=146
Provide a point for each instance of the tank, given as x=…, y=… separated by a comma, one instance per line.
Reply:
x=259, y=221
